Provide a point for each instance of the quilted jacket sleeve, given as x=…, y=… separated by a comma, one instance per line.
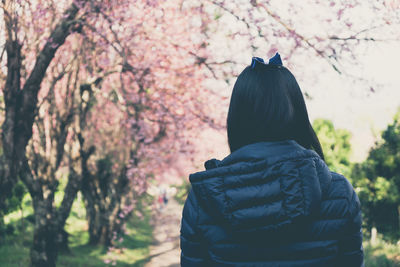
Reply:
x=193, y=247
x=350, y=247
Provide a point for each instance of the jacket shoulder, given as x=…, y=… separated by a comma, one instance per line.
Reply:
x=341, y=189
x=340, y=186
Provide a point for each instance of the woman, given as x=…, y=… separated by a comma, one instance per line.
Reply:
x=272, y=201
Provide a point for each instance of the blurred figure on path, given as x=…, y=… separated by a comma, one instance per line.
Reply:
x=160, y=202
x=165, y=198
x=162, y=196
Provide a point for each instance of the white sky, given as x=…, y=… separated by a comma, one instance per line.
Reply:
x=349, y=104
x=353, y=106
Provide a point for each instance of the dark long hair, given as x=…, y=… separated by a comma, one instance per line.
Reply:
x=267, y=105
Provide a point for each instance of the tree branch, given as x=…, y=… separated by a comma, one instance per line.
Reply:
x=32, y=85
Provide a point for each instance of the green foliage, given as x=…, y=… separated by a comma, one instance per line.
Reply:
x=377, y=182
x=18, y=193
x=336, y=146
x=381, y=254
x=11, y=205
x=133, y=249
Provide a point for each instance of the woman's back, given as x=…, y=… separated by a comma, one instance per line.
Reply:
x=271, y=204
x=273, y=200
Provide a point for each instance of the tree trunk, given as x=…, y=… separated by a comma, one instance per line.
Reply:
x=12, y=135
x=49, y=236
x=92, y=199
x=2, y=227
x=374, y=234
x=49, y=239
x=63, y=241
x=98, y=218
x=44, y=248
x=103, y=225
x=93, y=218
x=99, y=228
x=103, y=195
x=398, y=213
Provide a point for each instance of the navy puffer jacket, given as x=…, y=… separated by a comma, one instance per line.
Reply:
x=271, y=204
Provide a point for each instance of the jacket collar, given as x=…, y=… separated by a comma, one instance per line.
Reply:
x=255, y=152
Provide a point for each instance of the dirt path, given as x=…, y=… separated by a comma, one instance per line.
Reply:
x=165, y=251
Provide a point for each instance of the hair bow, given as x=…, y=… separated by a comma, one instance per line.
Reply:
x=275, y=60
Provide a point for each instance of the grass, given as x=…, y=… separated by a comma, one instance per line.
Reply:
x=133, y=250
x=381, y=254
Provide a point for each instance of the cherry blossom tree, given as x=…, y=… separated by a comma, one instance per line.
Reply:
x=157, y=89
x=116, y=87
x=21, y=89
x=29, y=56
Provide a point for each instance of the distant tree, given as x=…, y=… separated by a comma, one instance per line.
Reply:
x=377, y=181
x=151, y=96
x=336, y=146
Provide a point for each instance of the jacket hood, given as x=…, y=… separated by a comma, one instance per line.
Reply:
x=263, y=187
